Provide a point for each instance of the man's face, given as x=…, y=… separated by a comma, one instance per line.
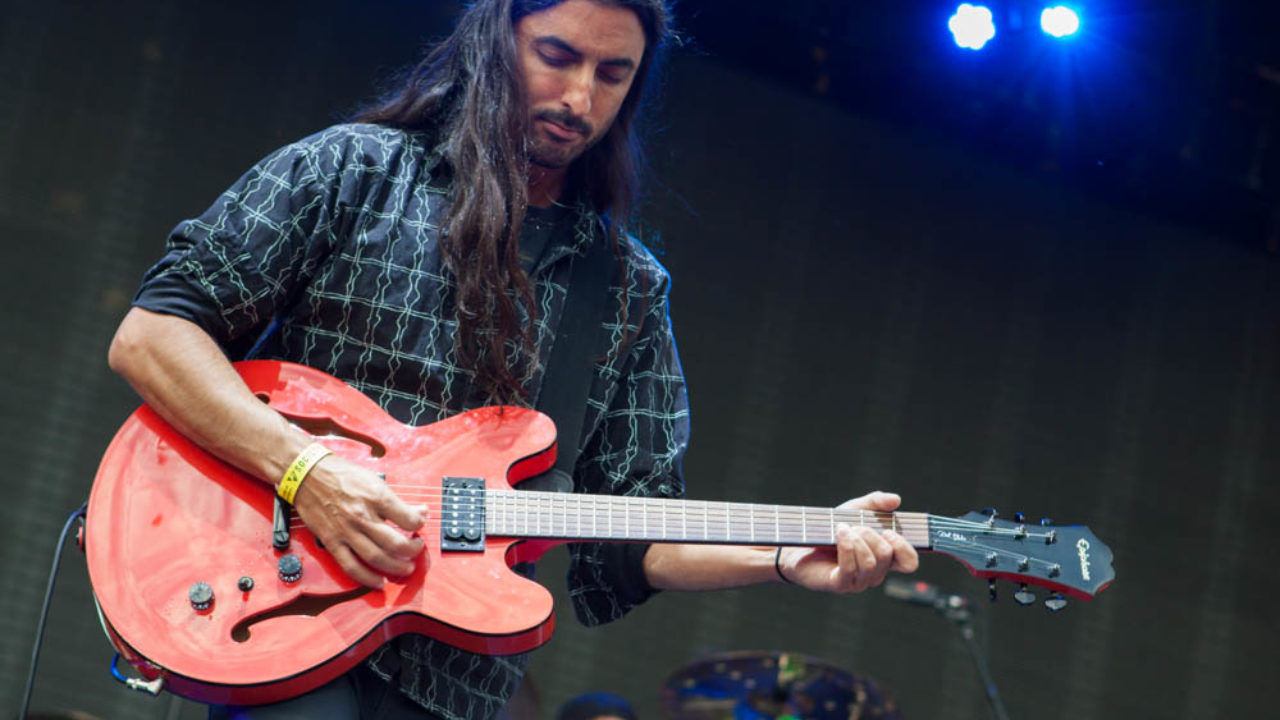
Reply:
x=578, y=59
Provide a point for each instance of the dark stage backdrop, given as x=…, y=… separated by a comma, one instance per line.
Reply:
x=857, y=307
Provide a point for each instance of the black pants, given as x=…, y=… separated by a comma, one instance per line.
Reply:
x=357, y=695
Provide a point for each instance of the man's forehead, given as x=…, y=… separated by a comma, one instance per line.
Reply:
x=602, y=29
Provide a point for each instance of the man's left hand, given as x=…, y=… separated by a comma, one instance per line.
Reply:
x=861, y=557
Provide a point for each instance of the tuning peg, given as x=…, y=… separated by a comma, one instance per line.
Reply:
x=1024, y=596
x=1019, y=517
x=991, y=589
x=992, y=559
x=990, y=511
x=1046, y=521
x=1055, y=602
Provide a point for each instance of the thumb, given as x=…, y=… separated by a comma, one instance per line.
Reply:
x=408, y=517
x=878, y=500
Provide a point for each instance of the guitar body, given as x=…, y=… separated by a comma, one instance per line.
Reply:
x=164, y=515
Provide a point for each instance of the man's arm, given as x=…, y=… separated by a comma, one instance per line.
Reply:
x=183, y=375
x=860, y=560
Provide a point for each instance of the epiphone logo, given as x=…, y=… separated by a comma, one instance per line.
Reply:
x=1082, y=549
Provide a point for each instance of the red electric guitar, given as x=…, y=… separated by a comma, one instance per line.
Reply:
x=204, y=585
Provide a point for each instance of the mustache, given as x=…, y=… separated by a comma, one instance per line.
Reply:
x=564, y=118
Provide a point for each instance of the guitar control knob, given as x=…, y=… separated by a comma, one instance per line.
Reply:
x=290, y=568
x=201, y=596
x=1024, y=596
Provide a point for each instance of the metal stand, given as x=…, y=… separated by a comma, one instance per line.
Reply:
x=960, y=616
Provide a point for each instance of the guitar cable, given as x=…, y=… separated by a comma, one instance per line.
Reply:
x=44, y=611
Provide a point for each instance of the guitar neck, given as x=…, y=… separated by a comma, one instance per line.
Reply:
x=573, y=516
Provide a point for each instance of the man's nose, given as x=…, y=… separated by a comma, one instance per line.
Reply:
x=577, y=92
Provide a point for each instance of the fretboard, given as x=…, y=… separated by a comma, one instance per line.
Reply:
x=573, y=516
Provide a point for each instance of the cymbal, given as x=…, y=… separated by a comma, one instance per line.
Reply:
x=757, y=685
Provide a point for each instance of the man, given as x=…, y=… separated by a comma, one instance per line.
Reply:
x=424, y=256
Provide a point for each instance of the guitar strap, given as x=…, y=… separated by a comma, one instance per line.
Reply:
x=566, y=384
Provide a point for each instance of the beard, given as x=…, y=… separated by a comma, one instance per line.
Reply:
x=549, y=153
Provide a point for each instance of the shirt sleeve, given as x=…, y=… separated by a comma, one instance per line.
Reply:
x=230, y=269
x=636, y=449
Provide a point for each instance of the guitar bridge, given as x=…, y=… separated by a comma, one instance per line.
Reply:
x=462, y=514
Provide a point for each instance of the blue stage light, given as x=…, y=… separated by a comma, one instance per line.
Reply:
x=972, y=26
x=1060, y=21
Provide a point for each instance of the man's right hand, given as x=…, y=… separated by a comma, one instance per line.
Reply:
x=347, y=506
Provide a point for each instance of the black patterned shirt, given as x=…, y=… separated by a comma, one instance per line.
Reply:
x=332, y=244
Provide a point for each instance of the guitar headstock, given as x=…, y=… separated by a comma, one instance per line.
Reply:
x=1066, y=559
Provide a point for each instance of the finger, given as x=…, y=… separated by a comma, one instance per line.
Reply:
x=854, y=557
x=882, y=549
x=410, y=518
x=877, y=501
x=352, y=566
x=394, y=543
x=905, y=557
x=374, y=556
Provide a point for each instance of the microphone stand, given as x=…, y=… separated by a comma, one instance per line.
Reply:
x=955, y=610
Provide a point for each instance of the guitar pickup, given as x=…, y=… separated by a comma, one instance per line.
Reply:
x=462, y=514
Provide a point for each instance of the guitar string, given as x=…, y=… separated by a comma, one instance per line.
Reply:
x=527, y=498
x=534, y=513
x=531, y=500
x=719, y=511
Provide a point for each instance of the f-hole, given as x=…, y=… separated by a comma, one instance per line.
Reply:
x=309, y=605
x=327, y=428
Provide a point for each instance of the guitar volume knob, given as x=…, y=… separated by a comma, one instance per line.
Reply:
x=201, y=596
x=290, y=568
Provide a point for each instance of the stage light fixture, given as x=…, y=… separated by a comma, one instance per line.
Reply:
x=972, y=26
x=1060, y=21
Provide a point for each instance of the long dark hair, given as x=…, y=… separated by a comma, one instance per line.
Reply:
x=468, y=90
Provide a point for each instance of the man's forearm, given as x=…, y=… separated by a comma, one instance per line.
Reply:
x=183, y=375
x=708, y=567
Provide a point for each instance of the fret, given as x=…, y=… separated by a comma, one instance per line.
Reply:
x=706, y=533
x=777, y=532
x=751, y=516
x=684, y=520
x=804, y=527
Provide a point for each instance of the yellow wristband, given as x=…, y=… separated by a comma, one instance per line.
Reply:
x=297, y=471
